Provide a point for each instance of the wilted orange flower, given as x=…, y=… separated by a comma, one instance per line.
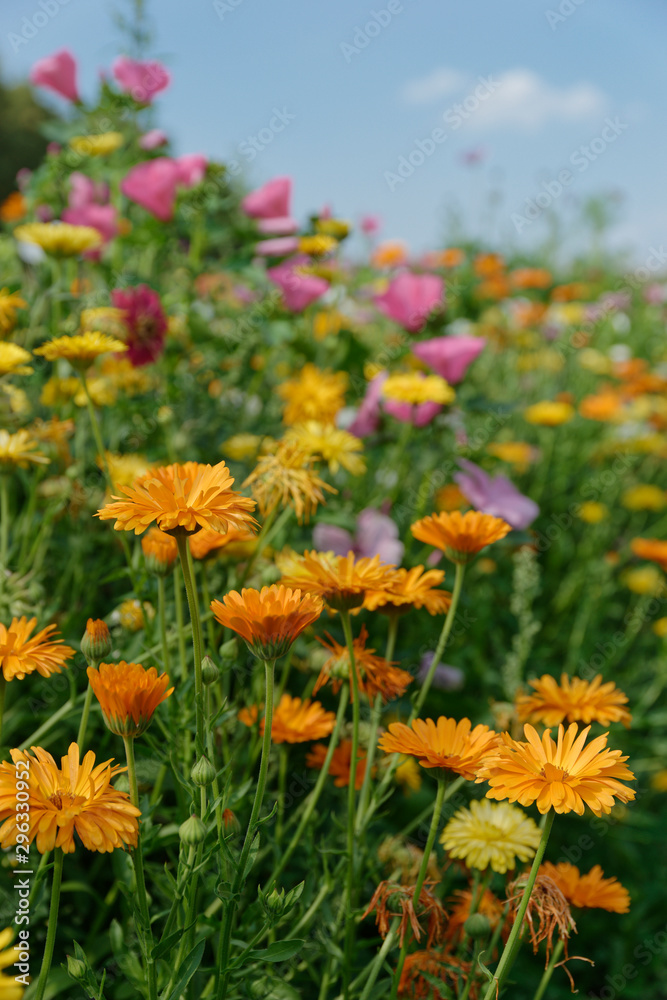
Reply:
x=588, y=891
x=446, y=968
x=565, y=776
x=548, y=910
x=341, y=581
x=460, y=536
x=575, y=700
x=269, y=619
x=411, y=588
x=531, y=277
x=181, y=499
x=390, y=253
x=446, y=743
x=393, y=900
x=375, y=675
x=21, y=655
x=294, y=720
x=340, y=766
x=128, y=695
x=286, y=478
x=75, y=797
x=160, y=550
x=237, y=542
x=652, y=549
x=314, y=394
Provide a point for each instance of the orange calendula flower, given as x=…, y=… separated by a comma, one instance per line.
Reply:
x=411, y=588
x=21, y=655
x=269, y=619
x=588, y=891
x=460, y=536
x=446, y=743
x=652, y=549
x=531, y=277
x=237, y=543
x=574, y=700
x=181, y=499
x=76, y=797
x=390, y=253
x=341, y=581
x=128, y=695
x=81, y=349
x=565, y=776
x=294, y=720
x=375, y=675
x=314, y=394
x=340, y=767
x=9, y=303
x=160, y=551
x=14, y=207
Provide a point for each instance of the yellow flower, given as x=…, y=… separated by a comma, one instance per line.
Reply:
x=9, y=303
x=408, y=775
x=132, y=616
x=549, y=413
x=593, y=512
x=97, y=145
x=659, y=780
x=17, y=399
x=313, y=394
x=327, y=322
x=124, y=469
x=58, y=391
x=13, y=360
x=332, y=445
x=287, y=479
x=106, y=319
x=644, y=580
x=317, y=246
x=80, y=350
x=19, y=450
x=59, y=238
x=494, y=834
x=9, y=988
x=643, y=497
x=517, y=453
x=240, y=447
x=416, y=388
x=337, y=228
x=660, y=627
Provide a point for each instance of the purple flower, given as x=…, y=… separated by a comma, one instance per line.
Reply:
x=496, y=495
x=376, y=535
x=446, y=678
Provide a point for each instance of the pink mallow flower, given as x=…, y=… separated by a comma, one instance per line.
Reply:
x=191, y=169
x=271, y=201
x=410, y=298
x=284, y=225
x=142, y=80
x=85, y=191
x=153, y=139
x=376, y=535
x=281, y=246
x=153, y=186
x=103, y=218
x=57, y=73
x=145, y=320
x=369, y=414
x=449, y=356
x=298, y=289
x=496, y=495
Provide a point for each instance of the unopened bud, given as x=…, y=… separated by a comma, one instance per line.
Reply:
x=76, y=968
x=96, y=642
x=273, y=903
x=229, y=654
x=192, y=832
x=203, y=772
x=477, y=925
x=209, y=671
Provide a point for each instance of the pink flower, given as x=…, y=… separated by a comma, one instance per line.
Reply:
x=146, y=322
x=418, y=416
x=151, y=140
x=44, y=213
x=281, y=246
x=410, y=298
x=368, y=415
x=370, y=224
x=376, y=535
x=85, y=191
x=153, y=186
x=191, y=169
x=298, y=289
x=57, y=73
x=143, y=80
x=271, y=201
x=103, y=218
x=284, y=225
x=449, y=356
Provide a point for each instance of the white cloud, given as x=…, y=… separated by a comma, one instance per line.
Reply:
x=522, y=99
x=425, y=89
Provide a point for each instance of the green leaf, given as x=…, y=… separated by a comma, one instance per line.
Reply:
x=164, y=947
x=187, y=970
x=279, y=951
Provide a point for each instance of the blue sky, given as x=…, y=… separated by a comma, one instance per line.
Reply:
x=537, y=86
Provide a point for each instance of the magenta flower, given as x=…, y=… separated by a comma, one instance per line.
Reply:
x=153, y=186
x=298, y=289
x=85, y=191
x=103, y=218
x=410, y=298
x=496, y=495
x=191, y=169
x=449, y=356
x=145, y=320
x=143, y=80
x=57, y=73
x=281, y=246
x=376, y=535
x=418, y=416
x=153, y=139
x=370, y=224
x=271, y=201
x=369, y=413
x=283, y=225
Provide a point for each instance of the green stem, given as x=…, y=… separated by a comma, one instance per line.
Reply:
x=206, y=594
x=370, y=975
x=512, y=945
x=282, y=777
x=180, y=626
x=442, y=641
x=423, y=868
x=162, y=615
x=83, y=725
x=52, y=924
x=351, y=790
x=239, y=878
x=138, y=862
x=544, y=981
x=193, y=605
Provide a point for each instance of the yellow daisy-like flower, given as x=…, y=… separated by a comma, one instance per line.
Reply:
x=313, y=394
x=9, y=303
x=520, y=454
x=13, y=360
x=128, y=695
x=549, y=413
x=59, y=238
x=125, y=469
x=644, y=497
x=286, y=479
x=341, y=581
x=339, y=228
x=81, y=349
x=76, y=797
x=317, y=246
x=240, y=447
x=106, y=319
x=416, y=388
x=22, y=654
x=10, y=989
x=97, y=145
x=19, y=450
x=644, y=580
x=17, y=399
x=574, y=700
x=565, y=776
x=334, y=446
x=131, y=614
x=411, y=588
x=494, y=834
x=592, y=512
